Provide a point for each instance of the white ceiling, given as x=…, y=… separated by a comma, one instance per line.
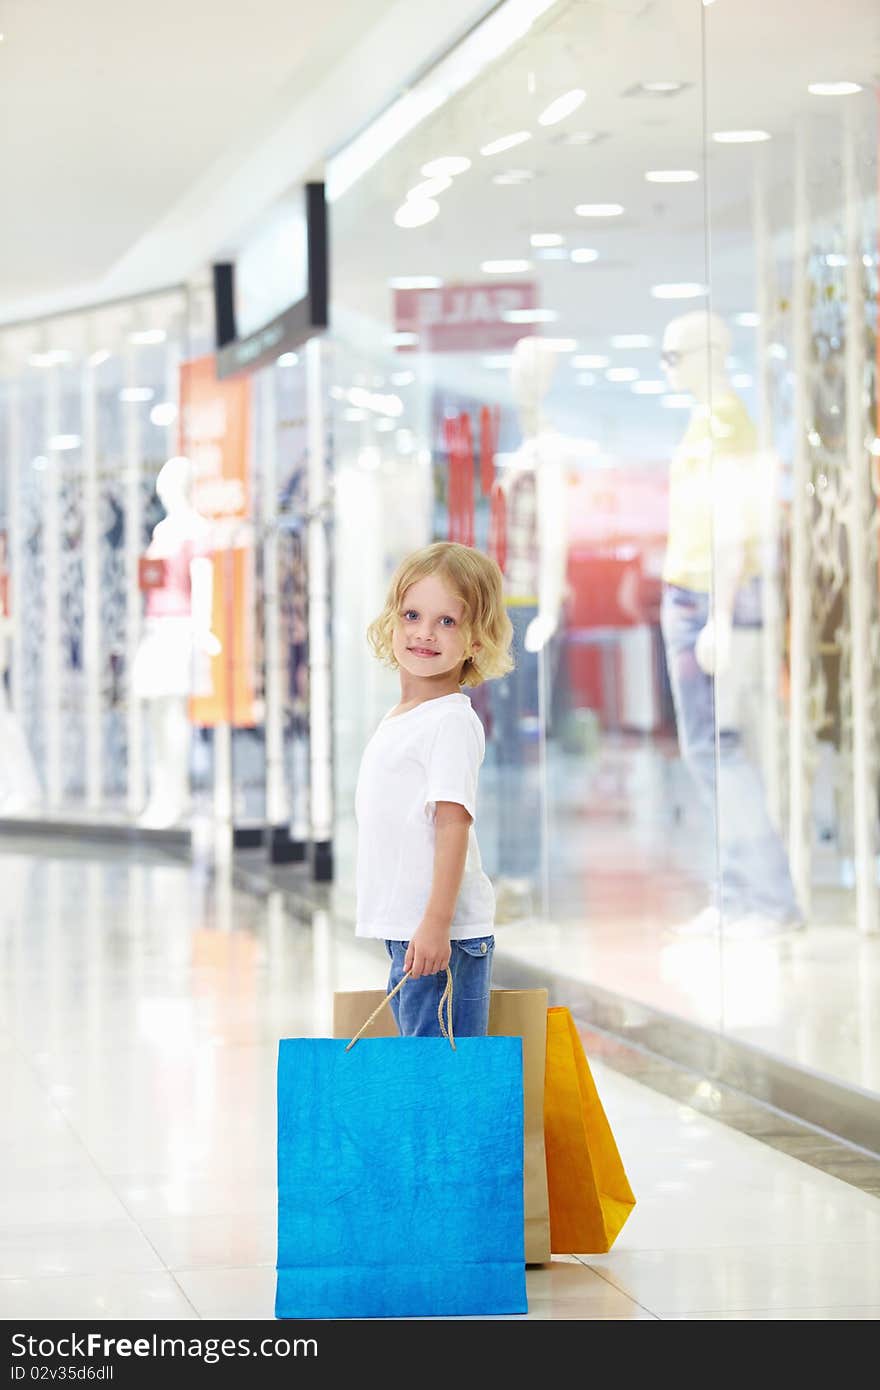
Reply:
x=112, y=114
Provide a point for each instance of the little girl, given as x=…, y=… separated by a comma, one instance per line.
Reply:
x=420, y=883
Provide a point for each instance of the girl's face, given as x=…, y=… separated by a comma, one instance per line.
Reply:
x=429, y=639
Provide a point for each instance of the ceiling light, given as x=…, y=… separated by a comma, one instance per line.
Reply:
x=622, y=374
x=672, y=176
x=431, y=187
x=136, y=393
x=416, y=212
x=740, y=137
x=513, y=176
x=561, y=344
x=415, y=282
x=54, y=358
x=496, y=362
x=447, y=166
x=684, y=291
x=649, y=388
x=530, y=316
x=546, y=239
x=163, y=414
x=145, y=337
x=833, y=89
x=625, y=341
x=582, y=255
x=580, y=137
x=402, y=339
x=552, y=253
x=677, y=402
x=65, y=441
x=504, y=267
x=97, y=358
x=288, y=359
x=562, y=107
x=747, y=320
x=835, y=260
x=590, y=360
x=506, y=142
x=661, y=89
x=599, y=209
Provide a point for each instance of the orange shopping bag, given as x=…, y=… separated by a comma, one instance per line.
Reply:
x=590, y=1197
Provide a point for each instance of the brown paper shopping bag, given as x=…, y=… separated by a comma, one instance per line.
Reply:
x=590, y=1197
x=513, y=1013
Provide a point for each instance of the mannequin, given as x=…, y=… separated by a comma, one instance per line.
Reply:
x=533, y=485
x=171, y=662
x=711, y=593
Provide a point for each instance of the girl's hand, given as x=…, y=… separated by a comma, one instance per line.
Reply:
x=429, y=950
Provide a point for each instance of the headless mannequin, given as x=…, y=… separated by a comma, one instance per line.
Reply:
x=711, y=589
x=177, y=641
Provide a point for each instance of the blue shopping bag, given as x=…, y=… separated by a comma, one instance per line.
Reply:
x=400, y=1178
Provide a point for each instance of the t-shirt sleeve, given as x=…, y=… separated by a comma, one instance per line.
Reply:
x=454, y=760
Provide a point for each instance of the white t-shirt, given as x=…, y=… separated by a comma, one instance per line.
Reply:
x=429, y=753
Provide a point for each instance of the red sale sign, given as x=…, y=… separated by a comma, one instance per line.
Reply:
x=464, y=318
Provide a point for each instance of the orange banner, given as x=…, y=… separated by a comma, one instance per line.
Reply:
x=215, y=435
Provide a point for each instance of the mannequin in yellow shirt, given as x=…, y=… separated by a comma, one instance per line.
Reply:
x=712, y=586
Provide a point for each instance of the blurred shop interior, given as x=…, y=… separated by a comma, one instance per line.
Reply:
x=603, y=296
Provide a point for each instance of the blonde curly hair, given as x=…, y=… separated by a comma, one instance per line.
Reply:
x=476, y=580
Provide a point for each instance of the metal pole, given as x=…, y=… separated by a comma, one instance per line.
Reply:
x=799, y=729
x=320, y=653
x=861, y=580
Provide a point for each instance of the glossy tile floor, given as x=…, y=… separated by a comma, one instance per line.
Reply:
x=141, y=1008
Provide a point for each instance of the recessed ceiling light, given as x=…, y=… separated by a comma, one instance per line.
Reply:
x=416, y=212
x=599, y=209
x=288, y=359
x=624, y=341
x=748, y=319
x=506, y=142
x=447, y=166
x=833, y=89
x=65, y=441
x=562, y=107
x=546, y=239
x=98, y=357
x=687, y=290
x=165, y=413
x=580, y=137
x=514, y=267
x=622, y=374
x=662, y=88
x=835, y=260
x=649, y=388
x=590, y=360
x=402, y=339
x=672, y=176
x=415, y=282
x=582, y=255
x=146, y=337
x=431, y=187
x=53, y=358
x=740, y=137
x=530, y=316
x=514, y=176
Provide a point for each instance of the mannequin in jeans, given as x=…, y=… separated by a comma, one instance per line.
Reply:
x=533, y=482
x=711, y=590
x=172, y=660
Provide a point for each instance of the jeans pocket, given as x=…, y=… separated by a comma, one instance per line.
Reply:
x=476, y=945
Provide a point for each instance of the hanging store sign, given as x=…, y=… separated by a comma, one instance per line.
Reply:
x=464, y=318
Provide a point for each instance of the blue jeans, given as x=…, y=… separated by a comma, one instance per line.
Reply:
x=415, y=1006
x=755, y=875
